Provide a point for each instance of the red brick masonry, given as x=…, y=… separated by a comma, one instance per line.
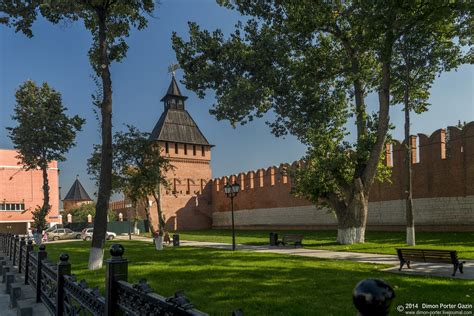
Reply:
x=443, y=171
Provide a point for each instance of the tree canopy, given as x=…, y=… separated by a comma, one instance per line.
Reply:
x=19, y=14
x=312, y=64
x=44, y=133
x=139, y=168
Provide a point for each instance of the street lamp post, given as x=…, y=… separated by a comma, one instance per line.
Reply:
x=231, y=191
x=129, y=206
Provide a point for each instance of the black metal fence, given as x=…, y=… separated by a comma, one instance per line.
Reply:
x=62, y=294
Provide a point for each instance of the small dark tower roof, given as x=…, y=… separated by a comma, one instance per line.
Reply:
x=77, y=192
x=175, y=124
x=173, y=91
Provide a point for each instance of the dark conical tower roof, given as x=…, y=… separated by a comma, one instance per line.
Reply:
x=77, y=192
x=175, y=124
x=173, y=91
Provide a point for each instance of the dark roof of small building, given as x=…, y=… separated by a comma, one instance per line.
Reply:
x=77, y=192
x=179, y=127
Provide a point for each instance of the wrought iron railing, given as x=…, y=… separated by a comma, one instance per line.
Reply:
x=62, y=294
x=139, y=299
x=79, y=299
x=32, y=268
x=49, y=287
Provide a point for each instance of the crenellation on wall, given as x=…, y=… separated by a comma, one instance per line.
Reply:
x=443, y=179
x=251, y=180
x=443, y=190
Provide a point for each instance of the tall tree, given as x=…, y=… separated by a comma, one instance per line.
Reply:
x=312, y=63
x=139, y=170
x=44, y=133
x=109, y=22
x=419, y=55
x=143, y=169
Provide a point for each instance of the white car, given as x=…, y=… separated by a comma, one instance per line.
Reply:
x=86, y=234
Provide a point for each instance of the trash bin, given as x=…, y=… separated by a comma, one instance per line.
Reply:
x=176, y=240
x=273, y=239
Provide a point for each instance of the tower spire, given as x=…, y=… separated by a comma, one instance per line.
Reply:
x=173, y=98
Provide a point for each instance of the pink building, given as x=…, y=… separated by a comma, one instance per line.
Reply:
x=21, y=192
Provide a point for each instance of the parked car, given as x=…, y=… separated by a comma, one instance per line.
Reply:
x=62, y=233
x=86, y=234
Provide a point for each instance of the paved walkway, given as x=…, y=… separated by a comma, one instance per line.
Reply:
x=5, y=303
x=426, y=269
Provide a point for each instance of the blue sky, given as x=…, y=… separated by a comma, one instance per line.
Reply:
x=58, y=54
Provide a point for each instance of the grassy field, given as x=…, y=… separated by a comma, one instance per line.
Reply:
x=376, y=242
x=219, y=281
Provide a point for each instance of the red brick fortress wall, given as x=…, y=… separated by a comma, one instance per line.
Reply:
x=443, y=190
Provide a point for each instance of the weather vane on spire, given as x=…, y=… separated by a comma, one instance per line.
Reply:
x=172, y=69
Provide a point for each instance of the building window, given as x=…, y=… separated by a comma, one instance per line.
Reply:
x=203, y=150
x=185, y=149
x=167, y=147
x=12, y=207
x=175, y=148
x=194, y=150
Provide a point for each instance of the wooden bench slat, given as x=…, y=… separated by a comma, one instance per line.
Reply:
x=292, y=238
x=406, y=255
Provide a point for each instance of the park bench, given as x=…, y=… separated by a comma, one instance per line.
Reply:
x=295, y=239
x=406, y=255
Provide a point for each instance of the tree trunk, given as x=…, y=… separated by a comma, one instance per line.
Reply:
x=148, y=218
x=135, y=219
x=353, y=217
x=161, y=221
x=408, y=181
x=105, y=180
x=46, y=207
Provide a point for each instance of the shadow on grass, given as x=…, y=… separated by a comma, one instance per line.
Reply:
x=219, y=281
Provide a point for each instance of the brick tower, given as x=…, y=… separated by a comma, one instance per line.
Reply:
x=188, y=204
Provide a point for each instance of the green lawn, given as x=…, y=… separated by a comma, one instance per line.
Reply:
x=376, y=242
x=219, y=281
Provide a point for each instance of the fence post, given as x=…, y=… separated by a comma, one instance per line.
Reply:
x=20, y=259
x=29, y=248
x=15, y=241
x=64, y=268
x=41, y=255
x=116, y=270
x=10, y=245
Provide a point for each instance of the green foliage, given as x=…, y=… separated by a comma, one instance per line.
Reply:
x=39, y=217
x=19, y=14
x=120, y=16
x=44, y=133
x=112, y=216
x=312, y=63
x=139, y=169
x=422, y=53
x=79, y=214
